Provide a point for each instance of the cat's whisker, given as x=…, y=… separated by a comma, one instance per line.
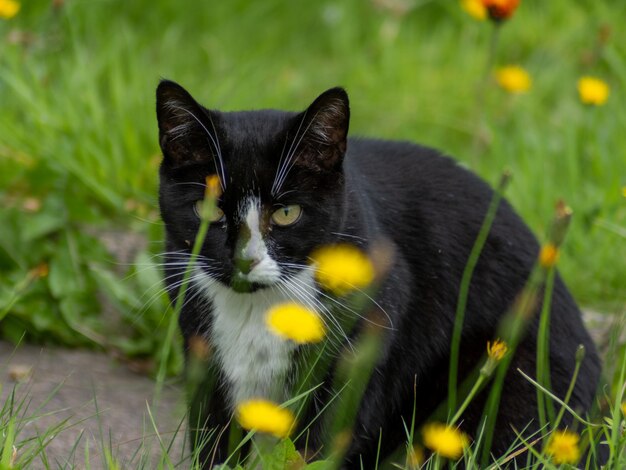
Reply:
x=158, y=222
x=218, y=149
x=280, y=160
x=284, y=193
x=314, y=303
x=218, y=153
x=190, y=183
x=175, y=285
x=287, y=165
x=348, y=235
x=295, y=293
x=290, y=160
x=346, y=309
x=279, y=169
x=160, y=292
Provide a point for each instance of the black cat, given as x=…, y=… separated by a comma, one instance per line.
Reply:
x=294, y=181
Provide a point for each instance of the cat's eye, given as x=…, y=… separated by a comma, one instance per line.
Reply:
x=218, y=216
x=287, y=215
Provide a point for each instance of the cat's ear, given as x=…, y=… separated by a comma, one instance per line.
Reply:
x=186, y=132
x=325, y=126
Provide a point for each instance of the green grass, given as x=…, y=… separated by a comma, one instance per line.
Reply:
x=79, y=151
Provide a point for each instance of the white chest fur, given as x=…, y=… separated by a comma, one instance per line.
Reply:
x=253, y=360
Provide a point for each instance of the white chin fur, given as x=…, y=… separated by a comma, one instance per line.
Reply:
x=252, y=359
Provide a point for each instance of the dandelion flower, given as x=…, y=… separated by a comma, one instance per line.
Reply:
x=497, y=350
x=292, y=321
x=500, y=10
x=513, y=79
x=8, y=9
x=593, y=91
x=206, y=209
x=445, y=440
x=213, y=188
x=41, y=270
x=342, y=268
x=563, y=447
x=265, y=416
x=475, y=9
x=549, y=255
x=415, y=457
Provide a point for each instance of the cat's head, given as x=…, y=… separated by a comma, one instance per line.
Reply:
x=282, y=183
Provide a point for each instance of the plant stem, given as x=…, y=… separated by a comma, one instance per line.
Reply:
x=543, y=357
x=464, y=290
x=470, y=396
x=205, y=220
x=580, y=355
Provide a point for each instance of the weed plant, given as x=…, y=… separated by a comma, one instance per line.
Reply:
x=79, y=157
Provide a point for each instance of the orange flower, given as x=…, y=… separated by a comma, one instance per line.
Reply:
x=500, y=10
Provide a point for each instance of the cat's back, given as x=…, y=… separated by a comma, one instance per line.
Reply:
x=412, y=187
x=411, y=169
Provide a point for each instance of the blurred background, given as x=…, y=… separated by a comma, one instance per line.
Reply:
x=80, y=231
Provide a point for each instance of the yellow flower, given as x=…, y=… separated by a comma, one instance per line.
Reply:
x=265, y=416
x=563, y=447
x=497, y=349
x=342, y=268
x=475, y=8
x=293, y=321
x=549, y=255
x=593, y=91
x=513, y=79
x=416, y=457
x=624, y=408
x=8, y=9
x=445, y=440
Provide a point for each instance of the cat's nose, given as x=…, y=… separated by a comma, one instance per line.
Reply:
x=245, y=265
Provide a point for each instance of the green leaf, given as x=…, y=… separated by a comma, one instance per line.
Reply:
x=42, y=224
x=118, y=290
x=80, y=312
x=320, y=465
x=67, y=274
x=284, y=456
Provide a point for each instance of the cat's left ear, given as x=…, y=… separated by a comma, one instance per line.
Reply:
x=325, y=126
x=186, y=131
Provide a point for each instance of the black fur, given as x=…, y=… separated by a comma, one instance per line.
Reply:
x=425, y=204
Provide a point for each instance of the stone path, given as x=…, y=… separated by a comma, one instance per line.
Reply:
x=101, y=400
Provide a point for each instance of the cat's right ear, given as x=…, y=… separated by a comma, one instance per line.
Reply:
x=186, y=131
x=325, y=124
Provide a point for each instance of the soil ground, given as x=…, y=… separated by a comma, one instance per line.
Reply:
x=101, y=403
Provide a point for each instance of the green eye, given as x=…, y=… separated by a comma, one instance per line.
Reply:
x=197, y=208
x=287, y=215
